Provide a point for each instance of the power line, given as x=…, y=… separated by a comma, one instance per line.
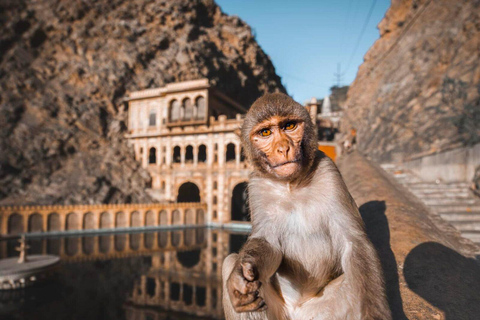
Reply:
x=367, y=20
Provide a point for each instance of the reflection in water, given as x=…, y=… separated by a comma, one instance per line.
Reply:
x=152, y=275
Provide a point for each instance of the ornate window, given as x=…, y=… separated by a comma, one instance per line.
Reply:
x=200, y=103
x=188, y=107
x=152, y=118
x=174, y=110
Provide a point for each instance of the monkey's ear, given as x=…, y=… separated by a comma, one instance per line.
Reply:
x=238, y=132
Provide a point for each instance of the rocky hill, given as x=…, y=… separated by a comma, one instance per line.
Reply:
x=64, y=68
x=418, y=90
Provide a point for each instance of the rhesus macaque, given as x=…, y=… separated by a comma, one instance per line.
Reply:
x=308, y=256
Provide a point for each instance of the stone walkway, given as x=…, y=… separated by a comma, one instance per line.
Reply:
x=454, y=202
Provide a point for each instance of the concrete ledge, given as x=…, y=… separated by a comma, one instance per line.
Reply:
x=430, y=270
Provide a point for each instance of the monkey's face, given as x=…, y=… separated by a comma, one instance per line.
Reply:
x=278, y=142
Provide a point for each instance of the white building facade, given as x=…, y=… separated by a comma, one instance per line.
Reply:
x=186, y=135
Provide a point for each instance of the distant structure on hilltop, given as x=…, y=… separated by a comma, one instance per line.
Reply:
x=329, y=112
x=185, y=135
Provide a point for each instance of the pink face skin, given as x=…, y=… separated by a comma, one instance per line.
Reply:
x=279, y=139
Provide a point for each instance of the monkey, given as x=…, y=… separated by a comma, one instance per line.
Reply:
x=308, y=256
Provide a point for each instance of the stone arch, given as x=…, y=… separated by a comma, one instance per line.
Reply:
x=174, y=110
x=53, y=222
x=71, y=245
x=176, y=157
x=120, y=241
x=230, y=154
x=106, y=221
x=202, y=153
x=189, y=259
x=72, y=221
x=176, y=217
x=176, y=237
x=149, y=218
x=148, y=240
x=163, y=218
x=120, y=220
x=189, y=236
x=88, y=221
x=189, y=154
x=188, y=109
x=200, y=217
x=152, y=156
x=201, y=107
x=162, y=239
x=135, y=219
x=189, y=216
x=104, y=243
x=135, y=241
x=88, y=245
x=15, y=224
x=188, y=192
x=35, y=223
x=239, y=203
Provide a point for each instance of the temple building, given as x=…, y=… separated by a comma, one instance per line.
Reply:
x=186, y=135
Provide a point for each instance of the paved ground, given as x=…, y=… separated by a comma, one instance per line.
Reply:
x=453, y=202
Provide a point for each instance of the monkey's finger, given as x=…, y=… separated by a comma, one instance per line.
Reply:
x=249, y=271
x=245, y=287
x=243, y=299
x=257, y=305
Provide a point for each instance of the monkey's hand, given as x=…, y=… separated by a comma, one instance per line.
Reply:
x=243, y=287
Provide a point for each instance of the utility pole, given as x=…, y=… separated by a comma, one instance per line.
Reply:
x=338, y=75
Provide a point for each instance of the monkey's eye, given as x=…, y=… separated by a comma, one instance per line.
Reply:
x=265, y=132
x=290, y=126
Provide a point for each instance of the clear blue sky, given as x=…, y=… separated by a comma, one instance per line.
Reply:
x=305, y=39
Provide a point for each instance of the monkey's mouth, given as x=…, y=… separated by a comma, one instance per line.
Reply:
x=284, y=163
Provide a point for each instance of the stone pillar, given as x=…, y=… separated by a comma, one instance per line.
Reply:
x=145, y=154
x=220, y=196
x=4, y=223
x=221, y=150
x=209, y=198
x=159, y=153
x=210, y=150
x=237, y=154
x=182, y=155
x=25, y=222
x=168, y=156
x=45, y=222
x=195, y=155
x=63, y=222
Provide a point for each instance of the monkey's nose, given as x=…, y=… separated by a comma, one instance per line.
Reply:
x=283, y=149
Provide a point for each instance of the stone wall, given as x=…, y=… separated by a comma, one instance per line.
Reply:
x=450, y=166
x=429, y=268
x=418, y=89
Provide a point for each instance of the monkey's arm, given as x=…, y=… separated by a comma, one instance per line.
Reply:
x=256, y=264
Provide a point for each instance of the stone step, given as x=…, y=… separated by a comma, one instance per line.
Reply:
x=449, y=201
x=461, y=216
x=457, y=208
x=432, y=185
x=440, y=191
x=473, y=235
x=440, y=195
x=466, y=225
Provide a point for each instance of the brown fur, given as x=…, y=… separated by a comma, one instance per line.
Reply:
x=308, y=256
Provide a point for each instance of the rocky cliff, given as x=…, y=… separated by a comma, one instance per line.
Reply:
x=418, y=90
x=64, y=68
